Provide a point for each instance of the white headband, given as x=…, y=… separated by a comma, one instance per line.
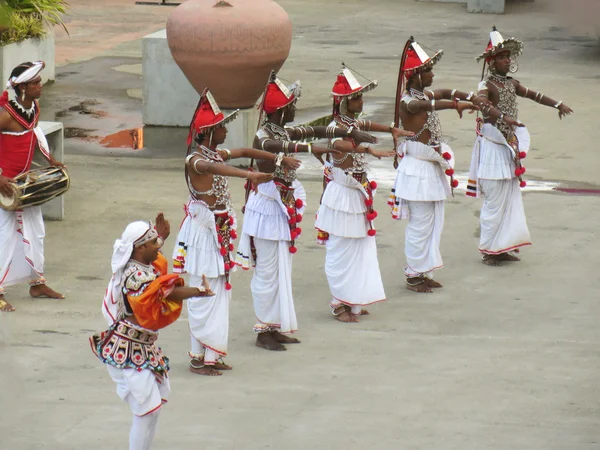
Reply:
x=26, y=76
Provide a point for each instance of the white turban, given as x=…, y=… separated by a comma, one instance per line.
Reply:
x=27, y=76
x=136, y=234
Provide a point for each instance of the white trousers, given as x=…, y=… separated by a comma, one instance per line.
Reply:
x=21, y=247
x=142, y=431
x=140, y=389
x=503, y=222
x=209, y=321
x=352, y=271
x=272, y=287
x=423, y=237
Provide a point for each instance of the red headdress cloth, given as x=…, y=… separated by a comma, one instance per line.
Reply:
x=278, y=96
x=415, y=59
x=208, y=115
x=498, y=44
x=346, y=85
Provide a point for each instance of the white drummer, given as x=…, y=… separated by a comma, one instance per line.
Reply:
x=22, y=232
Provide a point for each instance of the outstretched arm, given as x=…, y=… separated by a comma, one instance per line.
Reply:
x=347, y=147
x=525, y=92
x=451, y=94
x=202, y=167
x=287, y=161
x=329, y=132
x=418, y=106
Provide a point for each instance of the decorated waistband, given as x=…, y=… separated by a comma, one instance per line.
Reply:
x=128, y=346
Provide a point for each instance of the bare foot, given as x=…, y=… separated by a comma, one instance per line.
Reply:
x=433, y=284
x=220, y=365
x=364, y=312
x=268, y=342
x=5, y=306
x=508, y=257
x=283, y=339
x=491, y=260
x=347, y=317
x=418, y=284
x=198, y=367
x=43, y=290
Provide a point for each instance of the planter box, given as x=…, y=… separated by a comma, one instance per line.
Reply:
x=12, y=55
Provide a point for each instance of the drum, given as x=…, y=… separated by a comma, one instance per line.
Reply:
x=36, y=187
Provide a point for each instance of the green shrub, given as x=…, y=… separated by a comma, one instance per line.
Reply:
x=21, y=27
x=30, y=18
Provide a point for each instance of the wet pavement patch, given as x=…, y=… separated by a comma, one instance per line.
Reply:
x=84, y=107
x=75, y=132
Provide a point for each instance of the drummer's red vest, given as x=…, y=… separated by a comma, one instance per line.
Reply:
x=16, y=150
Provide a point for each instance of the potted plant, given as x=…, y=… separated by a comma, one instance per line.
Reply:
x=26, y=33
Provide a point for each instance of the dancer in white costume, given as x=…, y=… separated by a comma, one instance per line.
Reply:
x=141, y=299
x=273, y=213
x=22, y=232
x=205, y=240
x=421, y=186
x=345, y=220
x=502, y=142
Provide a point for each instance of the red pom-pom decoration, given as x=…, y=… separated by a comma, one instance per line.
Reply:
x=299, y=203
x=292, y=221
x=372, y=232
x=220, y=239
x=230, y=247
x=298, y=231
x=454, y=183
x=371, y=216
x=233, y=234
x=449, y=172
x=373, y=185
x=293, y=249
x=369, y=202
x=523, y=184
x=227, y=286
x=522, y=155
x=231, y=220
x=298, y=218
x=523, y=170
x=223, y=251
x=376, y=214
x=246, y=185
x=291, y=211
x=446, y=156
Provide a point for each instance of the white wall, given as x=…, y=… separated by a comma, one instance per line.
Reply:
x=12, y=55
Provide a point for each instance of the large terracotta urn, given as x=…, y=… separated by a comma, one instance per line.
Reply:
x=229, y=46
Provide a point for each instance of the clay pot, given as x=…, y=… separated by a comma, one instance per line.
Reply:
x=229, y=46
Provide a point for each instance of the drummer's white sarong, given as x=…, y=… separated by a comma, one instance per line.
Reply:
x=21, y=246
